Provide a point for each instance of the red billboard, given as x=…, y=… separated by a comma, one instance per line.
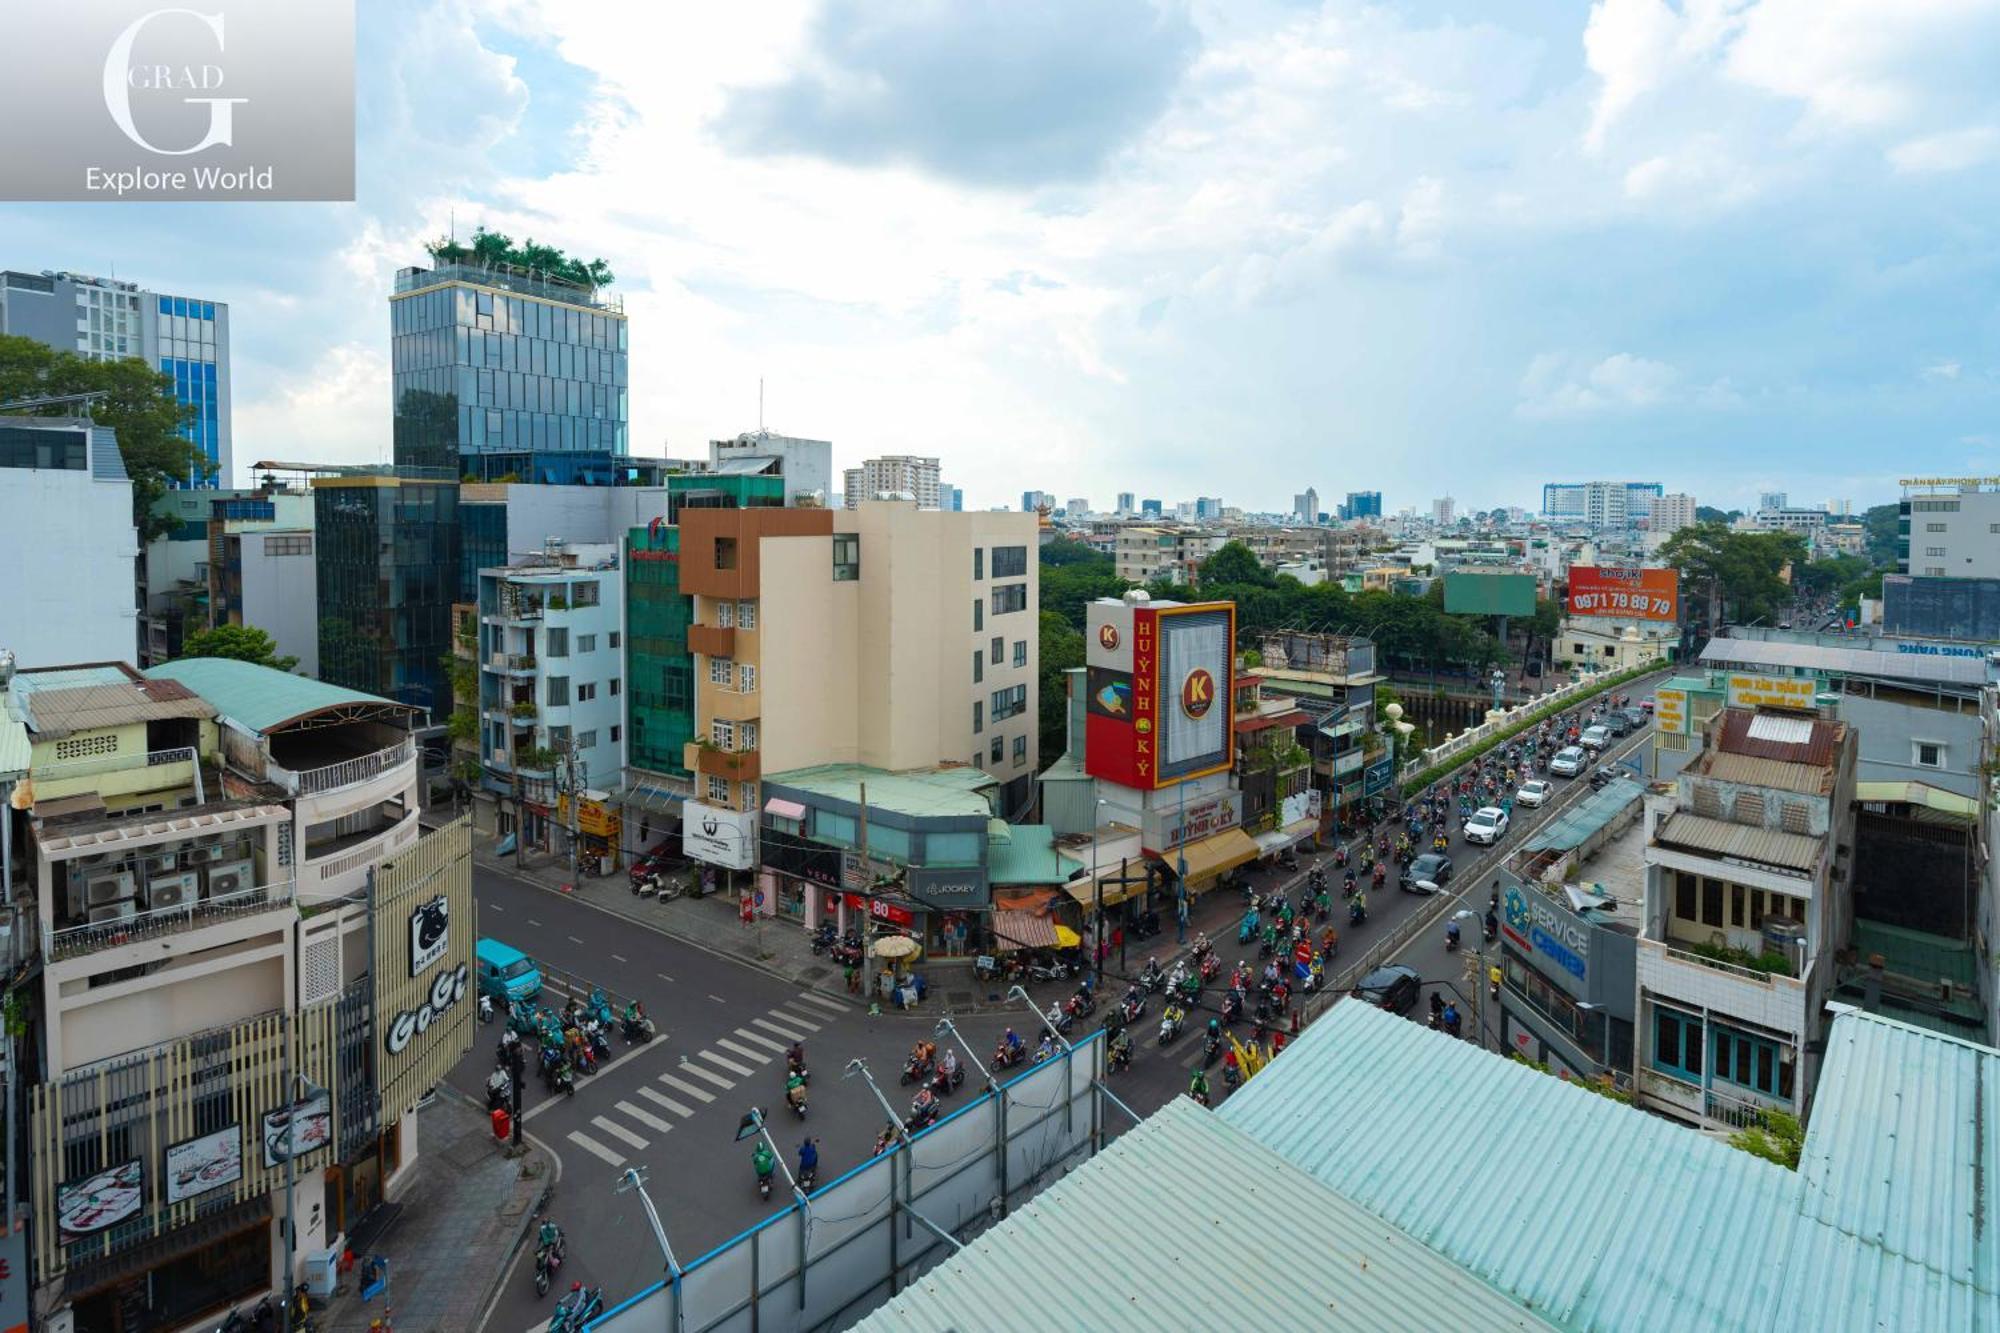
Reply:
x=1625, y=594
x=1158, y=709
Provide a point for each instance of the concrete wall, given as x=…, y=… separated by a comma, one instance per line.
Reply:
x=1889, y=729
x=281, y=597
x=811, y=705
x=69, y=547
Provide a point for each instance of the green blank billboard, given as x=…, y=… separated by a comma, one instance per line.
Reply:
x=1489, y=594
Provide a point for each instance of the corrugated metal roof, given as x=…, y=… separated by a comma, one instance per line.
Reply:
x=1917, y=793
x=919, y=793
x=1750, y=842
x=54, y=714
x=1603, y=1217
x=1573, y=827
x=1778, y=773
x=262, y=698
x=1187, y=1222
x=1744, y=732
x=1027, y=855
x=1762, y=654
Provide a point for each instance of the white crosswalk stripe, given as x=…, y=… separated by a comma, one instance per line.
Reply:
x=743, y=1070
x=787, y=1016
x=699, y=1094
x=661, y=1099
x=753, y=1038
x=825, y=1002
x=646, y=1118
x=710, y=1075
x=592, y=1146
x=761, y=1057
x=787, y=1033
x=617, y=1131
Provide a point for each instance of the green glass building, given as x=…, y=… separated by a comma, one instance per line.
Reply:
x=388, y=563
x=659, y=670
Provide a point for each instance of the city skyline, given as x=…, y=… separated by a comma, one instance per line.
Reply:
x=1021, y=294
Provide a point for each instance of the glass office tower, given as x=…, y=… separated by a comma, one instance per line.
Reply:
x=387, y=561
x=500, y=374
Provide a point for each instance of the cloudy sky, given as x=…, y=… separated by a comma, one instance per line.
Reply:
x=1179, y=247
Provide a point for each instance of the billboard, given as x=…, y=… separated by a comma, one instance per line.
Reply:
x=1159, y=683
x=196, y=1166
x=1670, y=711
x=1473, y=594
x=1625, y=594
x=1745, y=691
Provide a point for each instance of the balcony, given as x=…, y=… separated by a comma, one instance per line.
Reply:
x=734, y=705
x=736, y=765
x=159, y=922
x=513, y=664
x=1712, y=1107
x=346, y=773
x=1778, y=1003
x=712, y=640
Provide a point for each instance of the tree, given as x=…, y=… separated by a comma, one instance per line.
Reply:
x=1883, y=524
x=1060, y=649
x=1739, y=570
x=240, y=643
x=140, y=406
x=1233, y=566
x=1067, y=551
x=1710, y=514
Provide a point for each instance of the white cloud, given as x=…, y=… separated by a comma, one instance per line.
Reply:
x=1557, y=386
x=334, y=411
x=1954, y=150
x=1943, y=370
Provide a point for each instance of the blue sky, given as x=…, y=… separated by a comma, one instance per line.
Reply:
x=1231, y=248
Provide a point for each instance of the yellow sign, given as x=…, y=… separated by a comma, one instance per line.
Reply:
x=1670, y=711
x=1772, y=691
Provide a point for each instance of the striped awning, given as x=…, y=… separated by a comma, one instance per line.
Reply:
x=1023, y=930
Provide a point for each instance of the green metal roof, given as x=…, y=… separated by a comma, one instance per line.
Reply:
x=1574, y=826
x=927, y=793
x=259, y=697
x=1186, y=1222
x=16, y=750
x=1603, y=1217
x=1025, y=854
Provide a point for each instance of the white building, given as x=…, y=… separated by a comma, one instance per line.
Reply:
x=1772, y=500
x=806, y=465
x=896, y=474
x=1951, y=529
x=1806, y=522
x=1126, y=504
x=1444, y=511
x=1305, y=505
x=68, y=544
x=1600, y=504
x=1673, y=512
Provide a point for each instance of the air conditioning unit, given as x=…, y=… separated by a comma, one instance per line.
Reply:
x=160, y=863
x=91, y=862
x=113, y=912
x=229, y=877
x=109, y=888
x=205, y=853
x=176, y=890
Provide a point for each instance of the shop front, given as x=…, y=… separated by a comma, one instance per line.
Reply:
x=1207, y=860
x=598, y=825
x=957, y=904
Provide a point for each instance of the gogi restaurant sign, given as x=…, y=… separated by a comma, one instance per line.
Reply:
x=430, y=934
x=446, y=990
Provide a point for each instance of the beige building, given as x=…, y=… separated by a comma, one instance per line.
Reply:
x=898, y=474
x=888, y=636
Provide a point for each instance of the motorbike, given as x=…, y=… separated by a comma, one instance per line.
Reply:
x=1059, y=1018
x=923, y=1112
x=1054, y=970
x=986, y=968
x=945, y=1083
x=1152, y=978
x=1211, y=967
x=638, y=1029
x=1229, y=1074
x=796, y=1097
x=1086, y=1001
x=563, y=1081
x=1146, y=926
x=499, y=1090
x=1211, y=1046
x=808, y=1177
x=586, y=1058
x=1132, y=1007
x=848, y=952
x=916, y=1069
x=596, y=1038
x=577, y=1309
x=823, y=939
x=1006, y=1057
x=1451, y=938
x=1170, y=1024
x=486, y=1008
x=548, y=1262
x=1120, y=1057
x=599, y=1009
x=1356, y=913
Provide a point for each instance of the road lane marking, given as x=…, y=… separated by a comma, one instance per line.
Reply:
x=717, y=998
x=618, y=958
x=646, y=1118
x=700, y=1094
x=661, y=1099
x=746, y=1052
x=787, y=1016
x=838, y=1006
x=493, y=907
x=748, y=1035
x=590, y=1145
x=689, y=1067
x=786, y=1033
x=744, y=1071
x=574, y=940
x=533, y=922
x=664, y=977
x=618, y=1131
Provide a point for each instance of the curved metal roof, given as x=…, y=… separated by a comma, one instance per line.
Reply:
x=264, y=699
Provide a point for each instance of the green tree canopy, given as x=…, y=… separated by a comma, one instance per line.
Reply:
x=1066, y=551
x=241, y=643
x=492, y=247
x=1739, y=571
x=1234, y=566
x=1060, y=649
x=140, y=406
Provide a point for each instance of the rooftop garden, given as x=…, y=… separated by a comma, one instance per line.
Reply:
x=491, y=248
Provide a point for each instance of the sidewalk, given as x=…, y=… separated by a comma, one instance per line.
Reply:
x=454, y=1229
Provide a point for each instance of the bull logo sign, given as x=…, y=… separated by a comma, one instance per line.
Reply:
x=1198, y=693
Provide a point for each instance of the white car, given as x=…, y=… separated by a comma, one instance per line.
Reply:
x=1595, y=738
x=1534, y=792
x=1488, y=825
x=1569, y=762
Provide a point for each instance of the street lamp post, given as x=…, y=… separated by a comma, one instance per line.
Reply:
x=1097, y=893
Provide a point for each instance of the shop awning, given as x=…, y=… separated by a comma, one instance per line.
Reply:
x=1272, y=842
x=784, y=809
x=1023, y=930
x=647, y=798
x=1213, y=856
x=1114, y=892
x=1301, y=829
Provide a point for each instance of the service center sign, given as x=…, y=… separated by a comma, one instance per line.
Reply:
x=1625, y=594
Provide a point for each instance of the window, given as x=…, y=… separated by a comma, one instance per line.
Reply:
x=749, y=679
x=1020, y=750
x=1009, y=702
x=614, y=638
x=1010, y=562
x=1711, y=901
x=1009, y=598
x=746, y=795
x=997, y=648
x=846, y=557
x=1749, y=808
x=978, y=668
x=997, y=751
x=586, y=692
x=1738, y=906
x=614, y=687
x=725, y=558
x=978, y=615
x=614, y=735
x=978, y=717
x=558, y=691
x=718, y=790
x=749, y=735
x=558, y=737
x=746, y=615
x=1937, y=551
x=1750, y=1062
x=1685, y=888
x=557, y=641
x=1020, y=652
x=1928, y=754
x=718, y=670
x=979, y=559
x=1677, y=1043
x=1936, y=527
x=725, y=615
x=584, y=593
x=723, y=732
x=585, y=739
x=586, y=643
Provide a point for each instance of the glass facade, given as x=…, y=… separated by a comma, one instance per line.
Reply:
x=191, y=351
x=658, y=666
x=501, y=385
x=388, y=566
x=482, y=544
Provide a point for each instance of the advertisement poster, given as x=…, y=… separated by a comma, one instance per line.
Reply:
x=1625, y=594
x=1670, y=713
x=196, y=1166
x=298, y=1129
x=87, y=1206
x=1772, y=692
x=430, y=934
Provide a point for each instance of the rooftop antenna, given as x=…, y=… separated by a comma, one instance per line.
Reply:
x=760, y=404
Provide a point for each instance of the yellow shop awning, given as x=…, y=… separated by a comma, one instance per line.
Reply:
x=1213, y=856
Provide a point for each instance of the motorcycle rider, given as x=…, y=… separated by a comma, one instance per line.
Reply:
x=1121, y=1046
x=1451, y=935
x=1011, y=1042
x=948, y=1066
x=795, y=1089
x=1493, y=980
x=762, y=1161
x=1198, y=1086
x=550, y=1237
x=808, y=1160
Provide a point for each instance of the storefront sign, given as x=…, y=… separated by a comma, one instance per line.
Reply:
x=447, y=990
x=90, y=1205
x=1537, y=924
x=1170, y=825
x=430, y=934
x=954, y=888
x=196, y=1166
x=717, y=836
x=1670, y=712
x=1379, y=776
x=882, y=910
x=1940, y=649
x=297, y=1130
x=1771, y=691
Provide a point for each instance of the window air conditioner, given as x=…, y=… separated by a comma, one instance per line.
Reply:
x=173, y=890
x=109, y=888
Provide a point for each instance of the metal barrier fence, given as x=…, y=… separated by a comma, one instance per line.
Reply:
x=861, y=1238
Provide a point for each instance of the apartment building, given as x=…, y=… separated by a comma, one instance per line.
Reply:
x=898, y=474
x=1673, y=512
x=1600, y=504
x=1749, y=896
x=1949, y=527
x=1145, y=553
x=210, y=978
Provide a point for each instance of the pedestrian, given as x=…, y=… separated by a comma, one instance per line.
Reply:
x=853, y=979
x=1117, y=938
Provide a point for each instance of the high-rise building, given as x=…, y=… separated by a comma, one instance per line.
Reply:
x=68, y=544
x=1125, y=503
x=951, y=498
x=897, y=474
x=105, y=318
x=1773, y=500
x=1208, y=507
x=1673, y=512
x=1362, y=504
x=1077, y=507
x=1600, y=504
x=1305, y=506
x=501, y=374
x=1151, y=508
x=1444, y=511
x=1033, y=500
x=806, y=465
x=388, y=571
x=1840, y=508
